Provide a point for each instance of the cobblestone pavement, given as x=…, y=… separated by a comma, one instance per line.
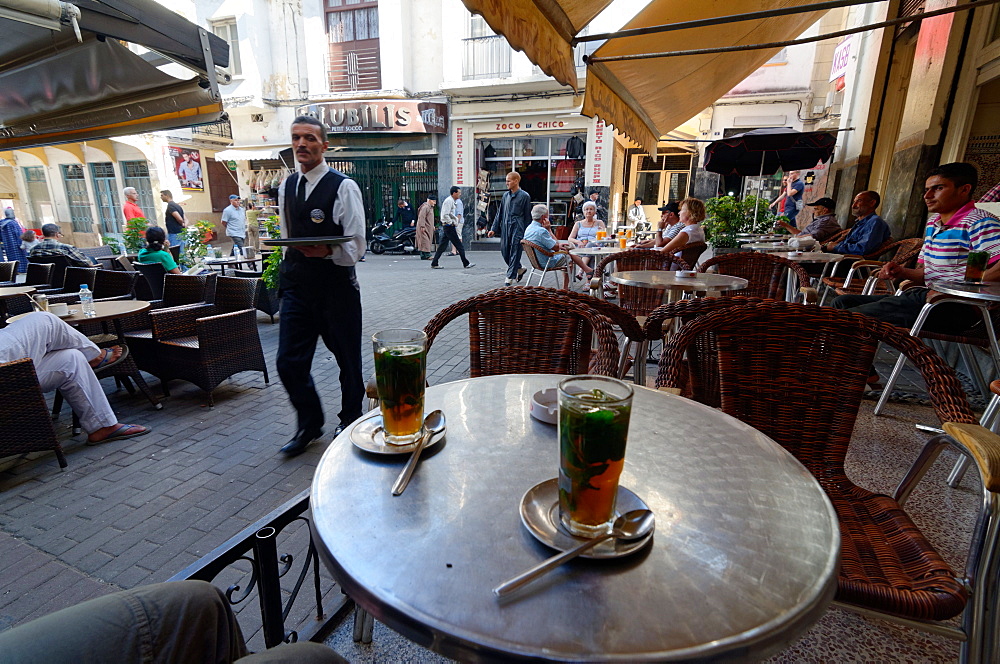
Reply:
x=137, y=511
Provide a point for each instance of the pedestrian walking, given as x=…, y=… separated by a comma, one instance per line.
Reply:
x=11, y=233
x=449, y=224
x=425, y=227
x=512, y=219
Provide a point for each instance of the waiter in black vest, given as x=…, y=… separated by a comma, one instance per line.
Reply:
x=320, y=296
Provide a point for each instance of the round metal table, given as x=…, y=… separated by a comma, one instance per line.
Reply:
x=985, y=291
x=703, y=282
x=811, y=257
x=596, y=251
x=114, y=310
x=743, y=560
x=768, y=246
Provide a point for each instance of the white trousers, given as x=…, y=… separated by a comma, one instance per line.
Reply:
x=60, y=354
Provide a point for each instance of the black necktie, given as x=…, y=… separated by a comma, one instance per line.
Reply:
x=300, y=195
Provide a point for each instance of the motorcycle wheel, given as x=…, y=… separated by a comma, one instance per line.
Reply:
x=376, y=247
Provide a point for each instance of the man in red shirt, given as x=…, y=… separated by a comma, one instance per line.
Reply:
x=131, y=207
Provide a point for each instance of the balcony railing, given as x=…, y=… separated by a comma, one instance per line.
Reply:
x=486, y=57
x=220, y=129
x=354, y=70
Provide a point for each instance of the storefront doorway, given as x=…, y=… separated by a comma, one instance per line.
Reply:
x=659, y=181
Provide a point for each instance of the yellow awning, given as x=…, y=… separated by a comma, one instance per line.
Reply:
x=646, y=99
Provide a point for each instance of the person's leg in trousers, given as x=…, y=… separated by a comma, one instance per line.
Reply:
x=341, y=332
x=188, y=621
x=451, y=232
x=297, y=335
x=442, y=245
x=513, y=255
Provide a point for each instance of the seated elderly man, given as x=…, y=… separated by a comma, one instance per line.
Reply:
x=51, y=246
x=667, y=229
x=824, y=223
x=869, y=231
x=538, y=232
x=956, y=227
x=65, y=360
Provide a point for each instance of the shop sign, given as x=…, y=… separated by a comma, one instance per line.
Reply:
x=598, y=156
x=841, y=58
x=461, y=157
x=529, y=123
x=381, y=116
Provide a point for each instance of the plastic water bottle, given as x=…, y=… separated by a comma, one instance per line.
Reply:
x=87, y=301
x=209, y=253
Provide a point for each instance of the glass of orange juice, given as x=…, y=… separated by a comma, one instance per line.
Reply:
x=621, y=242
x=629, y=233
x=601, y=235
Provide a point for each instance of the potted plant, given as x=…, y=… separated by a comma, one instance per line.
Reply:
x=135, y=234
x=196, y=238
x=727, y=216
x=114, y=244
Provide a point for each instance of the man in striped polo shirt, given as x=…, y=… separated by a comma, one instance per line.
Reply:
x=955, y=228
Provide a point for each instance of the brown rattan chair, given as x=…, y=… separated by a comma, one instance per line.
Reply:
x=631, y=330
x=703, y=367
x=25, y=425
x=887, y=565
x=153, y=273
x=763, y=271
x=207, y=343
x=536, y=265
x=7, y=270
x=860, y=280
x=690, y=253
x=531, y=330
x=849, y=259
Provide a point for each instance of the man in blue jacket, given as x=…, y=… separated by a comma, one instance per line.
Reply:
x=869, y=231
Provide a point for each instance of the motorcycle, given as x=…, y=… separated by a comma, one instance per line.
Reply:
x=403, y=241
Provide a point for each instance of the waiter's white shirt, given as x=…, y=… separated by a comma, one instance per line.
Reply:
x=348, y=209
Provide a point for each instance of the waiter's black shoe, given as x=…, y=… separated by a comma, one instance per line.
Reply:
x=298, y=444
x=339, y=430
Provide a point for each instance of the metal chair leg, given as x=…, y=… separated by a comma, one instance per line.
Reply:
x=975, y=373
x=639, y=365
x=896, y=370
x=364, y=624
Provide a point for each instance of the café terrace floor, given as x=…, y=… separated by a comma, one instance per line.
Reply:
x=138, y=511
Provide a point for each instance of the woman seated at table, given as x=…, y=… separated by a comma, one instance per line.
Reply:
x=538, y=233
x=667, y=229
x=585, y=231
x=156, y=250
x=691, y=215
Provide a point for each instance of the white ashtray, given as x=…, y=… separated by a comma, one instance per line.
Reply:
x=545, y=406
x=687, y=274
x=795, y=253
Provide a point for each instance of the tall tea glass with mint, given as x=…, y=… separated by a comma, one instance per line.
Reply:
x=400, y=374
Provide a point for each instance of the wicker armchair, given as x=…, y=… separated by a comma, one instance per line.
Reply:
x=25, y=426
x=690, y=253
x=267, y=299
x=207, y=343
x=536, y=266
x=849, y=259
x=179, y=290
x=58, y=275
x=887, y=565
x=531, y=330
x=860, y=277
x=73, y=277
x=7, y=270
x=153, y=273
x=640, y=300
x=630, y=328
x=763, y=272
x=700, y=375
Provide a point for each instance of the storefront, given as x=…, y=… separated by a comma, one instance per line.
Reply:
x=561, y=157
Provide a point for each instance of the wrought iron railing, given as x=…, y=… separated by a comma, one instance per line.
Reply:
x=257, y=545
x=221, y=129
x=486, y=57
x=359, y=69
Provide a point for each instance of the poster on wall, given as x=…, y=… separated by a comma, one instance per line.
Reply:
x=187, y=166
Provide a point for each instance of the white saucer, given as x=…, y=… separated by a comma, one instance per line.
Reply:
x=69, y=313
x=540, y=515
x=367, y=434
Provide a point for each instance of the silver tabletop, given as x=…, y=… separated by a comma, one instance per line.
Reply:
x=987, y=291
x=595, y=251
x=768, y=246
x=668, y=279
x=743, y=560
x=814, y=257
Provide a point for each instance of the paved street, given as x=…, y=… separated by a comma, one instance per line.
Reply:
x=135, y=512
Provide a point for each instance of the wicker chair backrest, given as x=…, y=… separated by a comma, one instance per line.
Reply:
x=763, y=272
x=7, y=270
x=536, y=330
x=38, y=274
x=636, y=300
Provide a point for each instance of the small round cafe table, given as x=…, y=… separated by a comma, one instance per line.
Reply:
x=597, y=251
x=702, y=282
x=14, y=291
x=808, y=257
x=744, y=557
x=768, y=246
